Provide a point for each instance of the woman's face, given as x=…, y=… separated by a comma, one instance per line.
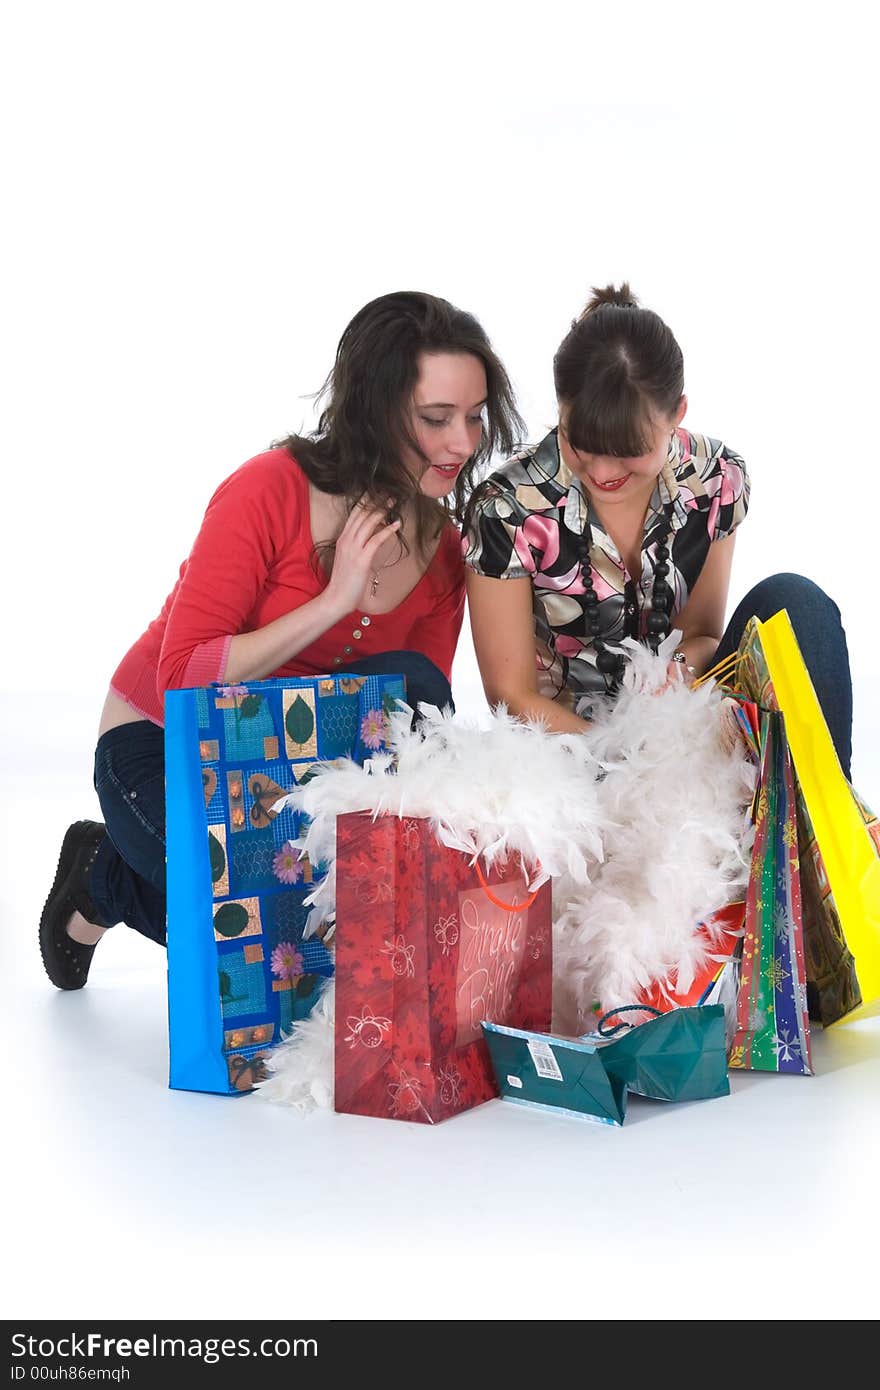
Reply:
x=447, y=417
x=616, y=480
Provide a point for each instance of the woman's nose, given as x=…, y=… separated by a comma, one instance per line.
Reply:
x=605, y=470
x=459, y=441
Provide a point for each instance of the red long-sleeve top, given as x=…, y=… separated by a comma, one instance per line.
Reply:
x=253, y=561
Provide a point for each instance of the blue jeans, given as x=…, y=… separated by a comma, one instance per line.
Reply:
x=821, y=638
x=127, y=882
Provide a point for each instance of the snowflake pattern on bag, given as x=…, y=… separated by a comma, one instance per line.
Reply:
x=424, y=958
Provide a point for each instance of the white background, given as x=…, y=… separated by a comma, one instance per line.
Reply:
x=198, y=198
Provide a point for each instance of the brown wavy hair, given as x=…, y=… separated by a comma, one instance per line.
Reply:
x=616, y=369
x=364, y=427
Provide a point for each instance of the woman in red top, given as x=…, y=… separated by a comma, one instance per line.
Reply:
x=332, y=552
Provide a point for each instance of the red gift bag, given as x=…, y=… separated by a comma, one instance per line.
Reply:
x=427, y=947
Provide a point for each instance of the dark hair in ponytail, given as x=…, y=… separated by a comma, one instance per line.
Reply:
x=615, y=371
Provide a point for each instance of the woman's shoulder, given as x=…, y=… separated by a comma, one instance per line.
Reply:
x=713, y=480
x=275, y=467
x=262, y=502
x=270, y=483
x=704, y=457
x=528, y=482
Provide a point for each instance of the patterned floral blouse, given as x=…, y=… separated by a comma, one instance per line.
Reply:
x=531, y=522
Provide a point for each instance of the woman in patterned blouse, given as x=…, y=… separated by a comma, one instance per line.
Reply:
x=618, y=478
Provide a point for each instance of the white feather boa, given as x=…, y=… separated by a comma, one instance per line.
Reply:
x=641, y=822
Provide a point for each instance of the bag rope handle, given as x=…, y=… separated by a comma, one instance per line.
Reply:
x=624, y=1008
x=726, y=667
x=508, y=907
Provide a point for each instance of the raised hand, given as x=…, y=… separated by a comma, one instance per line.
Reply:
x=354, y=558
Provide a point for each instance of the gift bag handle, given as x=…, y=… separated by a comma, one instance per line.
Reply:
x=624, y=1008
x=508, y=907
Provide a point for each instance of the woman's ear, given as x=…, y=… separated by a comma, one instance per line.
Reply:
x=680, y=410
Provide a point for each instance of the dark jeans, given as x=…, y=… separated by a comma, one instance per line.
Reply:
x=127, y=882
x=128, y=876
x=821, y=638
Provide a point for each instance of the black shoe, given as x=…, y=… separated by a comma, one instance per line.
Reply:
x=67, y=961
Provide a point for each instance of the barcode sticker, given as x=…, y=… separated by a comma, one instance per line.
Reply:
x=515, y=1082
x=546, y=1064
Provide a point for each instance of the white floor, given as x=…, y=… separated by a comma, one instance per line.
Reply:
x=125, y=1199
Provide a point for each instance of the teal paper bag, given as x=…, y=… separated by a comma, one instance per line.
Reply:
x=678, y=1056
x=681, y=1055
x=565, y=1074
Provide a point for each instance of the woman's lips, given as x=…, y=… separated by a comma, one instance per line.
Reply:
x=448, y=470
x=613, y=486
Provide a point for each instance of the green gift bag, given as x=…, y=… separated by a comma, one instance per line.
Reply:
x=679, y=1055
x=676, y=1056
x=772, y=1026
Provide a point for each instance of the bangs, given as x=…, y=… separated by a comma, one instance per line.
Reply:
x=616, y=423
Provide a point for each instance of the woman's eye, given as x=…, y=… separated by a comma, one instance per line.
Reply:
x=442, y=424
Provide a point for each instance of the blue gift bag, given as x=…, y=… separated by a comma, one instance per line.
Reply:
x=239, y=970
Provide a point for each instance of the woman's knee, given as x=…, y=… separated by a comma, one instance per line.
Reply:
x=794, y=592
x=425, y=682
x=130, y=782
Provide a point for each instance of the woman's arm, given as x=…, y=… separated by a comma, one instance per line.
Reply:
x=253, y=655
x=504, y=641
x=245, y=524
x=702, y=618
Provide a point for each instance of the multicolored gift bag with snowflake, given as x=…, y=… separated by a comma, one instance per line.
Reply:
x=772, y=1026
x=834, y=987
x=428, y=947
x=240, y=971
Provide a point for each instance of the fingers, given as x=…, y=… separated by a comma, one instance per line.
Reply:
x=367, y=533
x=378, y=538
x=362, y=520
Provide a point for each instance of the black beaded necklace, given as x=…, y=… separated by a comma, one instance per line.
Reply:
x=611, y=664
